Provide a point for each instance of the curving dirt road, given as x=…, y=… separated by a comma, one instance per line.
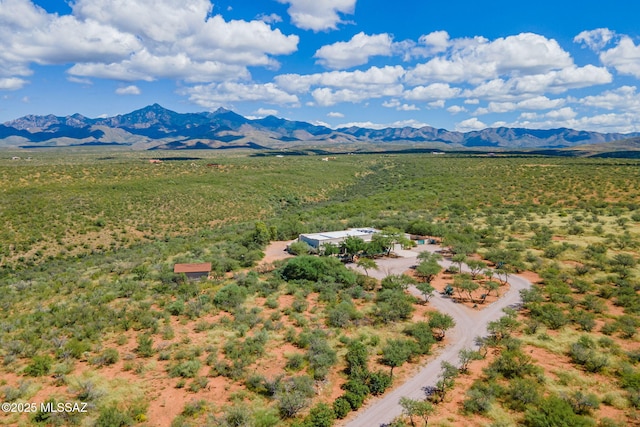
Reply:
x=470, y=323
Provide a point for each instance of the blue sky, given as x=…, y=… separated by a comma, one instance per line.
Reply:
x=459, y=65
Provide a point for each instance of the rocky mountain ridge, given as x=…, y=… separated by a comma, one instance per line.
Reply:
x=155, y=127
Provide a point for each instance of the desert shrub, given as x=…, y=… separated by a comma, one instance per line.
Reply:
x=321, y=415
x=554, y=411
x=378, y=382
x=341, y=407
x=342, y=314
x=422, y=333
x=300, y=248
x=112, y=416
x=392, y=306
x=187, y=369
x=549, y=314
x=230, y=297
x=145, y=346
x=583, y=353
x=320, y=356
x=293, y=395
x=325, y=269
x=39, y=366
x=521, y=393
x=295, y=362
x=581, y=403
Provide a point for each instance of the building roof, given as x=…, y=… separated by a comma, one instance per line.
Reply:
x=204, y=267
x=355, y=232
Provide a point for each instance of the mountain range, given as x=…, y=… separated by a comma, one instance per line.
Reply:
x=156, y=128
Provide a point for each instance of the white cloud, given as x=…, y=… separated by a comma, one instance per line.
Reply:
x=478, y=59
x=357, y=79
x=397, y=124
x=335, y=114
x=12, y=83
x=128, y=90
x=137, y=40
x=455, y=109
x=595, y=39
x=394, y=103
x=264, y=112
x=327, y=97
x=470, y=125
x=624, y=98
x=433, y=92
x=472, y=101
x=335, y=87
x=318, y=15
x=437, y=41
x=217, y=94
x=79, y=80
x=272, y=18
x=624, y=57
x=535, y=103
x=356, y=51
x=555, y=81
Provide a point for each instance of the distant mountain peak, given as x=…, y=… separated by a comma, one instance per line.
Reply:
x=156, y=126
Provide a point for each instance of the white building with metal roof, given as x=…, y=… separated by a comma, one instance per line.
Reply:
x=317, y=240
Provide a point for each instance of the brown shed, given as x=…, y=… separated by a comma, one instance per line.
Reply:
x=193, y=271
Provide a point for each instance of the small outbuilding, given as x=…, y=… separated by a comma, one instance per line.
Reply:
x=193, y=271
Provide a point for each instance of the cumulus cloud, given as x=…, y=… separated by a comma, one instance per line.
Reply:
x=374, y=80
x=356, y=51
x=318, y=15
x=555, y=81
x=535, y=103
x=217, y=94
x=624, y=57
x=478, y=59
x=435, y=91
x=624, y=98
x=128, y=90
x=272, y=18
x=327, y=97
x=12, y=83
x=595, y=39
x=610, y=122
x=455, y=109
x=470, y=125
x=335, y=114
x=394, y=103
x=137, y=40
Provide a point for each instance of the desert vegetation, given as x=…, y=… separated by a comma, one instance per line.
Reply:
x=92, y=311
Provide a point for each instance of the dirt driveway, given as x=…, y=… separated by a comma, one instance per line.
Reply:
x=470, y=323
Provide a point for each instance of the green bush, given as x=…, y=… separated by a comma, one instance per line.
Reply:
x=230, y=297
x=39, y=366
x=341, y=407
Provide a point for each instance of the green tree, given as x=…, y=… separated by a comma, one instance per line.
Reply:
x=428, y=270
x=393, y=305
x=396, y=353
x=466, y=356
x=353, y=246
x=417, y=408
x=321, y=415
x=397, y=282
x=440, y=322
x=426, y=290
x=367, y=264
x=261, y=234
